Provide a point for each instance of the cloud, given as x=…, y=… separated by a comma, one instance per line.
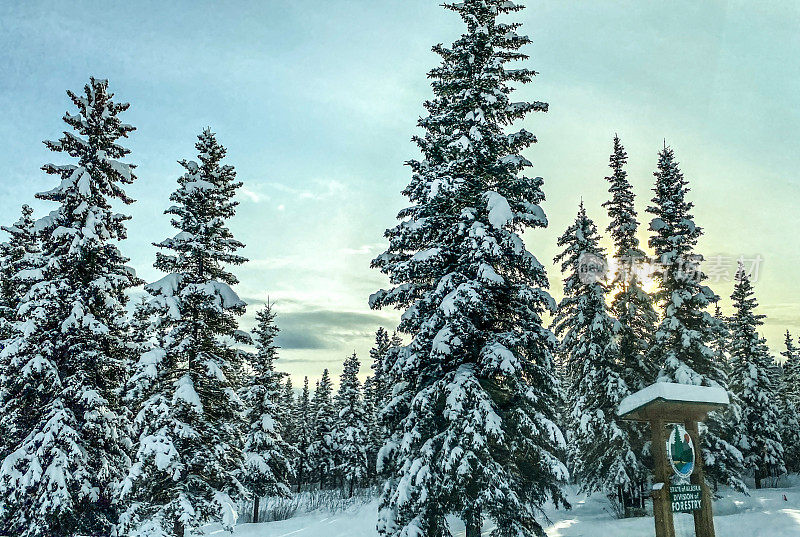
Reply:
x=252, y=195
x=365, y=249
x=325, y=328
x=321, y=189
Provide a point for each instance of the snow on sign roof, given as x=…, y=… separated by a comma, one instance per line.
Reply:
x=703, y=398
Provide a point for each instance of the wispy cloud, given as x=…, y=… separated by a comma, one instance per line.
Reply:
x=365, y=249
x=252, y=195
x=320, y=189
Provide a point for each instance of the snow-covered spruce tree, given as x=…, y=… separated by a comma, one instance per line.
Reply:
x=288, y=412
x=604, y=454
x=322, y=451
x=141, y=338
x=189, y=419
x=758, y=432
x=475, y=388
x=789, y=405
x=681, y=342
x=141, y=326
x=376, y=393
x=350, y=429
x=303, y=437
x=15, y=256
x=791, y=370
x=723, y=422
x=630, y=304
x=378, y=353
x=720, y=342
x=67, y=362
x=267, y=468
x=19, y=258
x=374, y=441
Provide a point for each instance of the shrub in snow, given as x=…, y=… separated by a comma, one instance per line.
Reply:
x=20, y=266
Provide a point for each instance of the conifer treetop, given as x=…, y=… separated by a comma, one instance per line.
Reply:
x=675, y=233
x=620, y=207
x=99, y=173
x=204, y=201
x=681, y=341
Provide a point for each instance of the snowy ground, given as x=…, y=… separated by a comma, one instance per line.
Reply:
x=763, y=514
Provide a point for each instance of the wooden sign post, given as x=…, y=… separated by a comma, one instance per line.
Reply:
x=677, y=453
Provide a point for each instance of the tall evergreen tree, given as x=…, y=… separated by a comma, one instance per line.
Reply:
x=69, y=449
x=267, y=467
x=288, y=412
x=378, y=355
x=603, y=451
x=789, y=405
x=791, y=370
x=350, y=429
x=141, y=329
x=723, y=422
x=304, y=437
x=16, y=256
x=720, y=342
x=475, y=390
x=631, y=305
x=758, y=431
x=376, y=395
x=681, y=342
x=188, y=454
x=19, y=264
x=322, y=450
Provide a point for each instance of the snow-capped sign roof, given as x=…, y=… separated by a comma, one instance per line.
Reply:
x=673, y=402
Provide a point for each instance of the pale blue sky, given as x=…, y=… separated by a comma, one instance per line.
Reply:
x=316, y=102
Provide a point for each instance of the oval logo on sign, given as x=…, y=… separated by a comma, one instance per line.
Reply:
x=681, y=451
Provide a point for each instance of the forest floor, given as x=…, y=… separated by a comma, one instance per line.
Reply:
x=764, y=513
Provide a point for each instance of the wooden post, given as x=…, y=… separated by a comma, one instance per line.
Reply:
x=662, y=511
x=704, y=517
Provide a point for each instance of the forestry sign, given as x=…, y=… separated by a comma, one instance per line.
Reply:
x=680, y=451
x=685, y=498
x=673, y=411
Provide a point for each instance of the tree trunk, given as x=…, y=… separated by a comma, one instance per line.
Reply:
x=177, y=528
x=662, y=513
x=474, y=523
x=352, y=487
x=300, y=475
x=256, y=505
x=758, y=478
